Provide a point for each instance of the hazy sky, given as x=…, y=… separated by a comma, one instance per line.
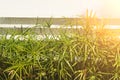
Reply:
x=58, y=8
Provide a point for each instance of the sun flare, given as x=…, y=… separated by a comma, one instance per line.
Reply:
x=112, y=27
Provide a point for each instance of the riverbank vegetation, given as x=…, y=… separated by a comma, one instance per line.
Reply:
x=90, y=55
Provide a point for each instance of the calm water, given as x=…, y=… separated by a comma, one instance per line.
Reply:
x=52, y=26
x=38, y=37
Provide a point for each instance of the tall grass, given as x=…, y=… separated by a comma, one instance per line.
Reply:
x=86, y=56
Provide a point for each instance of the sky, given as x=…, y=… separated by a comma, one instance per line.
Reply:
x=58, y=8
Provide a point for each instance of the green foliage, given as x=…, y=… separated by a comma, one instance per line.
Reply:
x=76, y=57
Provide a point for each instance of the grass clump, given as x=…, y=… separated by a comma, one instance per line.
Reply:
x=85, y=56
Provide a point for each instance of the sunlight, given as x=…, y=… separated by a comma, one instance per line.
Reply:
x=112, y=27
x=118, y=37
